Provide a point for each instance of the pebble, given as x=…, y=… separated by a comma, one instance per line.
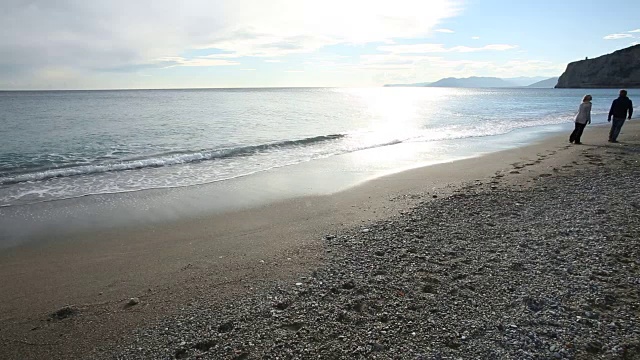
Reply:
x=133, y=301
x=368, y=299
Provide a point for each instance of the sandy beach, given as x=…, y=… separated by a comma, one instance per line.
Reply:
x=256, y=282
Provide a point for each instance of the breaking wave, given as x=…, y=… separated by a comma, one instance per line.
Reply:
x=166, y=159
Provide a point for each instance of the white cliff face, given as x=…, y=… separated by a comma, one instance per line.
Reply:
x=620, y=69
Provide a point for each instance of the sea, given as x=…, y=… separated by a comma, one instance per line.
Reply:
x=58, y=145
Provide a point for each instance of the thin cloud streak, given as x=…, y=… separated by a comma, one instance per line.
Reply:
x=440, y=48
x=431, y=68
x=200, y=61
x=617, y=36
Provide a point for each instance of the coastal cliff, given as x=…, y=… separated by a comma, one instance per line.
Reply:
x=620, y=69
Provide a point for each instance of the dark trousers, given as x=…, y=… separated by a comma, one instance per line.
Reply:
x=577, y=133
x=616, y=125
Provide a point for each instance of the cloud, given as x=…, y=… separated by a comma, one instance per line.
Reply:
x=634, y=31
x=617, y=36
x=432, y=68
x=391, y=61
x=198, y=61
x=447, y=31
x=475, y=37
x=123, y=34
x=169, y=62
x=413, y=48
x=440, y=48
x=266, y=45
x=492, y=47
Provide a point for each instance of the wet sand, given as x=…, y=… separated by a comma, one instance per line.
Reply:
x=221, y=257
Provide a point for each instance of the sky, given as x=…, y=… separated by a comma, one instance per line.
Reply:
x=143, y=44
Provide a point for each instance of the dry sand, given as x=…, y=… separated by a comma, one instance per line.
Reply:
x=223, y=256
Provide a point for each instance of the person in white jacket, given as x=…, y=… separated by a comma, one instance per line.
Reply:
x=582, y=119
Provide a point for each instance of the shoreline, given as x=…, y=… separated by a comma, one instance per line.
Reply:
x=230, y=253
x=37, y=222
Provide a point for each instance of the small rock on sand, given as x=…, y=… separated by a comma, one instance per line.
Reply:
x=64, y=312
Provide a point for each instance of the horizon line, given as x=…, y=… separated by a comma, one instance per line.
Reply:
x=192, y=88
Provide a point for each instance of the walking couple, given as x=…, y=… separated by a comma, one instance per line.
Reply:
x=619, y=110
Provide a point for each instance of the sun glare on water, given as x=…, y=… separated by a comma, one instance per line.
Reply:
x=397, y=113
x=395, y=118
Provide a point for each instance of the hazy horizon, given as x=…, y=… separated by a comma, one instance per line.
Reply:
x=170, y=44
x=532, y=79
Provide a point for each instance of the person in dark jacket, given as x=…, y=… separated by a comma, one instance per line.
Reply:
x=619, y=109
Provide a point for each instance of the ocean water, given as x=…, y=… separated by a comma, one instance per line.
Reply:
x=64, y=144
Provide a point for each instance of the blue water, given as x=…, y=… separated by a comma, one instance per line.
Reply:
x=63, y=144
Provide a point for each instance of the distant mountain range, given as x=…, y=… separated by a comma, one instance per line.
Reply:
x=548, y=83
x=620, y=69
x=487, y=82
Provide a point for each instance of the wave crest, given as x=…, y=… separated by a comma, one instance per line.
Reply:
x=166, y=159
